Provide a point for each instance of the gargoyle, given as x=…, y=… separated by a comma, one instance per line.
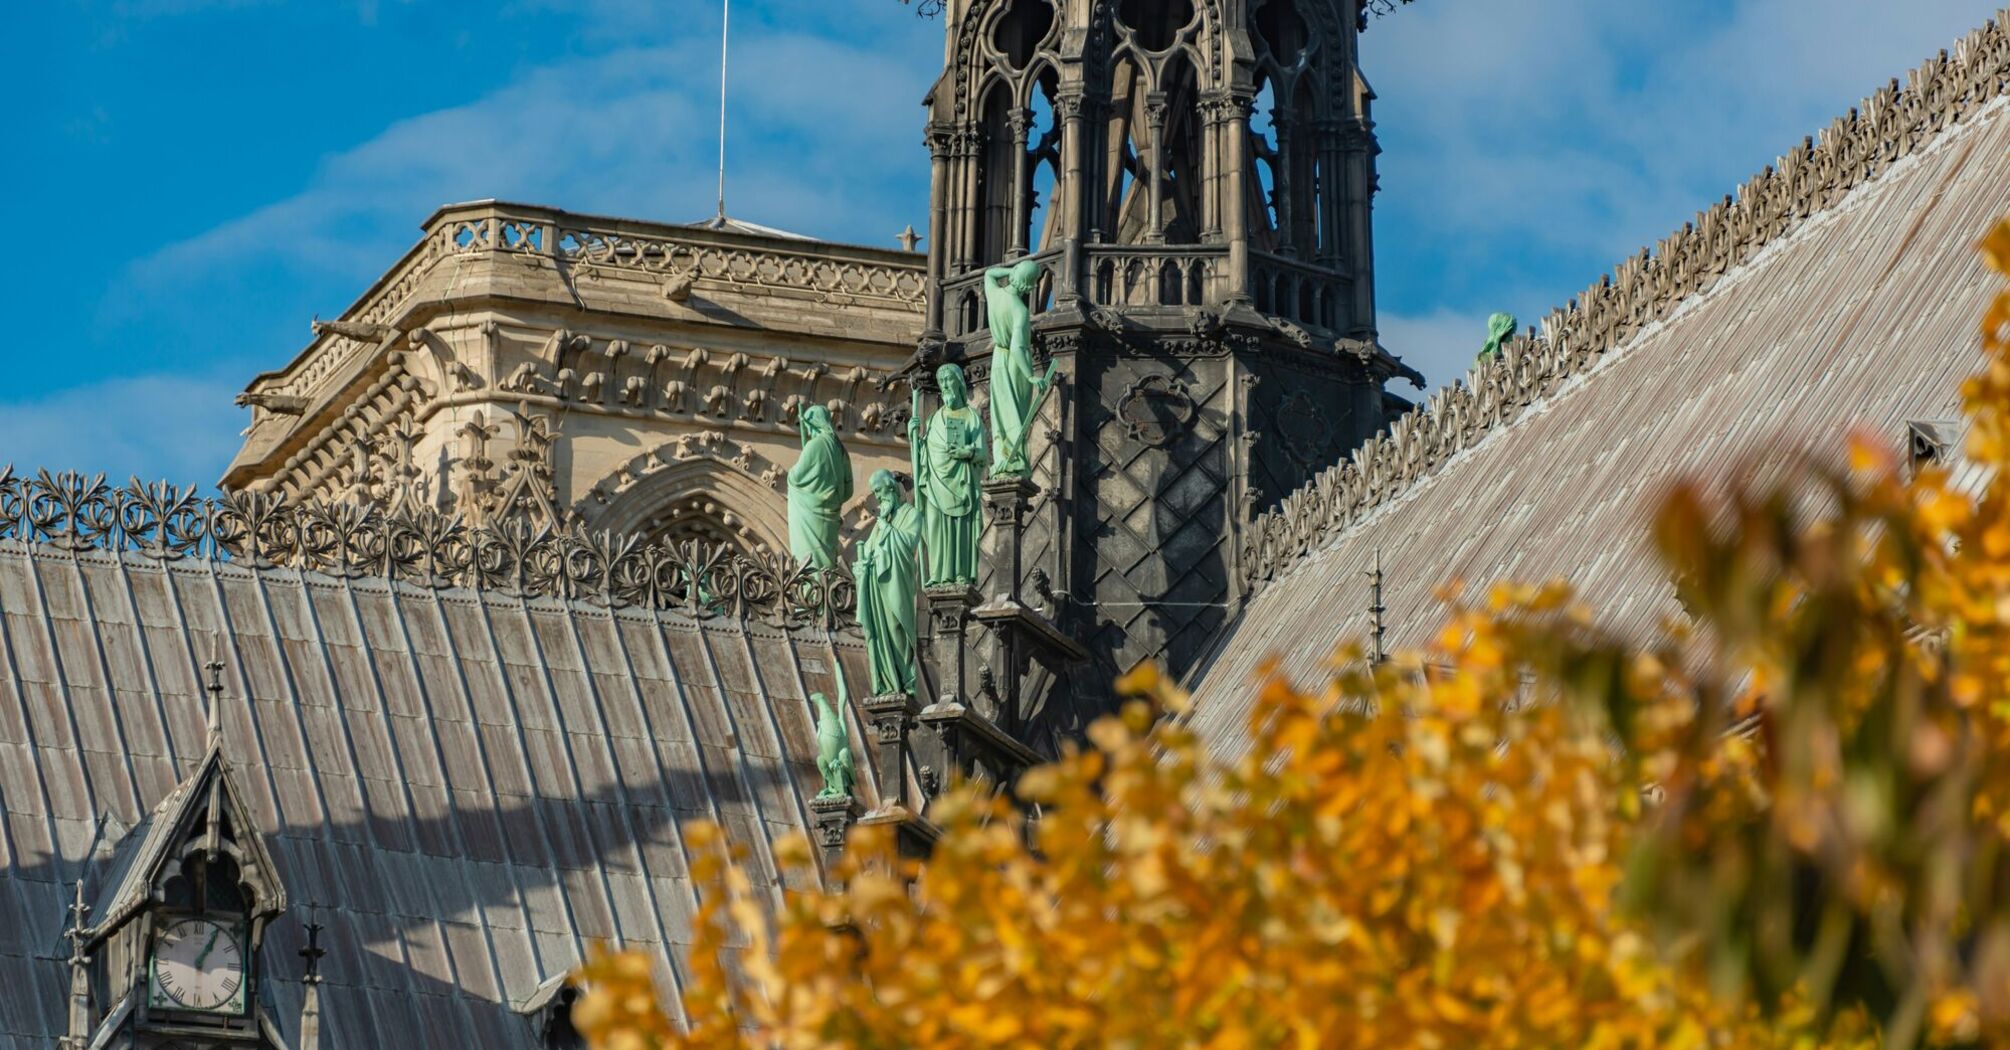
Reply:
x=280, y=404
x=1292, y=332
x=367, y=331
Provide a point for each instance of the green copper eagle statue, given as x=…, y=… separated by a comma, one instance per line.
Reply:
x=833, y=743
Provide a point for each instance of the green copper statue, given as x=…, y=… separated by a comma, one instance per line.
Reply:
x=1015, y=392
x=819, y=485
x=833, y=744
x=949, y=461
x=888, y=571
x=1500, y=328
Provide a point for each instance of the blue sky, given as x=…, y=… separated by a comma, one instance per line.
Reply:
x=193, y=180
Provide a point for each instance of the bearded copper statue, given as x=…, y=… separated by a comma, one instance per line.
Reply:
x=949, y=460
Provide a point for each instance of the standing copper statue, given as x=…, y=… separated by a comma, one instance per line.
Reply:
x=1016, y=394
x=888, y=571
x=949, y=460
x=819, y=485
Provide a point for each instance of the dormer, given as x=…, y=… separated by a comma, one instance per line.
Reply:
x=173, y=958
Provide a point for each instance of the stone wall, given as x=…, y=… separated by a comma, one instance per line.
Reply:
x=649, y=376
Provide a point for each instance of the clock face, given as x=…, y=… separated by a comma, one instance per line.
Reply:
x=198, y=965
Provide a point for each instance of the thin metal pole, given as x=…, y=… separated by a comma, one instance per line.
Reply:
x=1375, y=611
x=725, y=20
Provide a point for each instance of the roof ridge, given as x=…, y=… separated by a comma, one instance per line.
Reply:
x=1890, y=125
x=73, y=514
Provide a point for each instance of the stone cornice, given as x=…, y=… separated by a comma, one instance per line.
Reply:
x=582, y=246
x=1855, y=149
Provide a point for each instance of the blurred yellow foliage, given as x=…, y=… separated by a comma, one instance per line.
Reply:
x=1799, y=841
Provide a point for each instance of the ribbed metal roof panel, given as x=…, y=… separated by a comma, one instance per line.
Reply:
x=472, y=787
x=1865, y=316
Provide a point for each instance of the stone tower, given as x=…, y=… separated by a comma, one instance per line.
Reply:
x=1195, y=178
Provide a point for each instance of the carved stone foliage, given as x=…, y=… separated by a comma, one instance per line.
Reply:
x=1156, y=409
x=826, y=280
x=1887, y=127
x=354, y=452
x=695, y=382
x=701, y=485
x=418, y=545
x=710, y=444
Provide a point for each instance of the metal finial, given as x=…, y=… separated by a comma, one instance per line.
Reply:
x=1377, y=655
x=215, y=689
x=78, y=910
x=313, y=952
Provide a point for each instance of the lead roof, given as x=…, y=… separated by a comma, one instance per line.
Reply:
x=472, y=787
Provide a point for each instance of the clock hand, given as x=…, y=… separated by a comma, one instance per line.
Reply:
x=204, y=953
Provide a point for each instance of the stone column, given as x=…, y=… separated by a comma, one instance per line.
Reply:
x=1236, y=218
x=939, y=141
x=1331, y=182
x=1007, y=501
x=970, y=154
x=948, y=609
x=1070, y=107
x=1287, y=183
x=1359, y=146
x=1022, y=182
x=892, y=716
x=1210, y=145
x=1155, y=115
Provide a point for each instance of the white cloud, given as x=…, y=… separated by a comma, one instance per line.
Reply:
x=1525, y=136
x=160, y=427
x=631, y=132
x=1531, y=144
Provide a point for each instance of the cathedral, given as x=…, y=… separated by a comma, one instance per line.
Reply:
x=509, y=581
